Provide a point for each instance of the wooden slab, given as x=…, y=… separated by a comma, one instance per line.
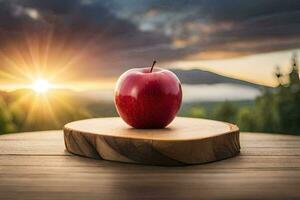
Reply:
x=185, y=141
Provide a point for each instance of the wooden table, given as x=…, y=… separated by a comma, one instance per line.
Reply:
x=36, y=166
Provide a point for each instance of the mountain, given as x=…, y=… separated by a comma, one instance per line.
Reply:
x=197, y=76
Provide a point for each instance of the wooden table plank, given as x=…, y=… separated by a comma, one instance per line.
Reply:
x=51, y=143
x=240, y=162
x=36, y=166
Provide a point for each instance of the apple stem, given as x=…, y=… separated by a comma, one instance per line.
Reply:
x=154, y=62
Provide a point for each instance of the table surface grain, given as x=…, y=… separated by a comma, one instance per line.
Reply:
x=35, y=165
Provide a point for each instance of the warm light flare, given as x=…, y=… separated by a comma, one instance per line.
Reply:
x=41, y=86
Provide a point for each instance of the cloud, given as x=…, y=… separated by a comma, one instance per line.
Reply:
x=201, y=27
x=103, y=38
x=105, y=44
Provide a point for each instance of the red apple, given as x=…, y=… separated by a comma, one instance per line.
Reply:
x=148, y=97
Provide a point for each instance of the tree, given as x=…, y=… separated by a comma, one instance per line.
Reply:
x=245, y=119
x=6, y=120
x=197, y=111
x=225, y=111
x=265, y=113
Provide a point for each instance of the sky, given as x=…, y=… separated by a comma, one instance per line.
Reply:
x=89, y=43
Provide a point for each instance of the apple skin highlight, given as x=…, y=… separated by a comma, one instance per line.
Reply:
x=147, y=98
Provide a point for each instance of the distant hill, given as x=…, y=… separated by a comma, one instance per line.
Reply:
x=196, y=76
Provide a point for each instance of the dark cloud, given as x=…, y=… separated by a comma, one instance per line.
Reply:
x=78, y=28
x=117, y=34
x=215, y=26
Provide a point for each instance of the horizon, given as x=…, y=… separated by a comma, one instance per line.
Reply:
x=266, y=78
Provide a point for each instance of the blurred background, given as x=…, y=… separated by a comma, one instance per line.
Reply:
x=237, y=60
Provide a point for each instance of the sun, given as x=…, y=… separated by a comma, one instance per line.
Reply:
x=41, y=86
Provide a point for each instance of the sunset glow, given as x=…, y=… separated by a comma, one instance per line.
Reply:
x=41, y=86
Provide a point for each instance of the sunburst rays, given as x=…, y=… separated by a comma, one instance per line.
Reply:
x=38, y=64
